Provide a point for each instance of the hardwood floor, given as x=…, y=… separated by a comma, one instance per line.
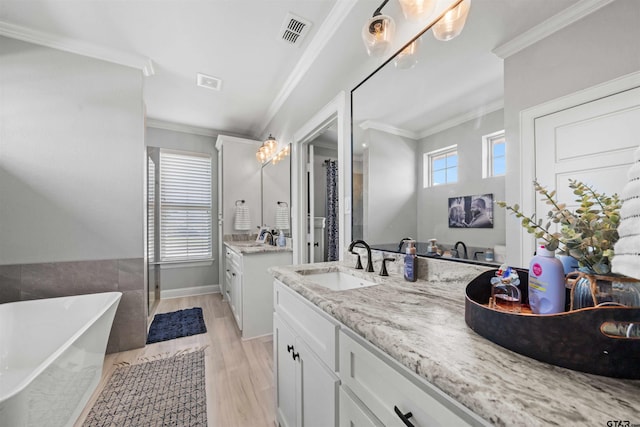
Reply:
x=240, y=386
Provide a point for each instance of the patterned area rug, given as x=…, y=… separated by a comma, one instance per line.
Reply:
x=177, y=324
x=164, y=392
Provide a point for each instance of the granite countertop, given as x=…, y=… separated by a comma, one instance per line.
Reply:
x=253, y=247
x=422, y=326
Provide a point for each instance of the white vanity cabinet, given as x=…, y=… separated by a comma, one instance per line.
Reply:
x=378, y=391
x=305, y=362
x=233, y=284
x=249, y=288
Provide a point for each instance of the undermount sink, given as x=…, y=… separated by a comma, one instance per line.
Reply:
x=338, y=280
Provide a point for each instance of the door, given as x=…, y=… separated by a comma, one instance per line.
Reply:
x=311, y=231
x=153, y=270
x=318, y=390
x=285, y=375
x=592, y=142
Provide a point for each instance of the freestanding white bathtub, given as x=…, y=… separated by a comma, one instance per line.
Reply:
x=51, y=356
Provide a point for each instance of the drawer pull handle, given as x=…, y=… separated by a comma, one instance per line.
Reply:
x=295, y=355
x=404, y=417
x=289, y=348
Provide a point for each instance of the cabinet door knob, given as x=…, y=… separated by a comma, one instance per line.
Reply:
x=233, y=274
x=289, y=348
x=295, y=355
x=404, y=417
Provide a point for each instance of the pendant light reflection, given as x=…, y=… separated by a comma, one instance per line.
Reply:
x=407, y=58
x=452, y=23
x=417, y=10
x=378, y=31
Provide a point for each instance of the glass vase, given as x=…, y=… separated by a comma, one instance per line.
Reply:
x=597, y=290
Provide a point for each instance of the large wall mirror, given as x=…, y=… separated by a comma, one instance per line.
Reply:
x=428, y=137
x=276, y=194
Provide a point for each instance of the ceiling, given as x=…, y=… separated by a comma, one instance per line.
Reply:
x=239, y=42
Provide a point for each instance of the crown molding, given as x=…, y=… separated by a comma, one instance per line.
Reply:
x=392, y=130
x=179, y=127
x=325, y=32
x=550, y=26
x=462, y=118
x=68, y=44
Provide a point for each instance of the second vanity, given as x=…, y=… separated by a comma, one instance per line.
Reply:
x=373, y=355
x=248, y=287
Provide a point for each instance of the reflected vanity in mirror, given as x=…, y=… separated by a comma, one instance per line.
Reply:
x=428, y=139
x=276, y=194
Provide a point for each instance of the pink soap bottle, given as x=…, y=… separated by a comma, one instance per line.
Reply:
x=546, y=283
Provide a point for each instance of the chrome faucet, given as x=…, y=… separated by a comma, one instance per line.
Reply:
x=366, y=246
x=455, y=248
x=404, y=239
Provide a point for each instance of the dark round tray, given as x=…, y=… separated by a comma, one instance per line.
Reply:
x=572, y=340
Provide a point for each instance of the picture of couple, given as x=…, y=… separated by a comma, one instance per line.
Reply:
x=471, y=211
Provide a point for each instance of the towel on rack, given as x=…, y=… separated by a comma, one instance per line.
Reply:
x=282, y=217
x=242, y=219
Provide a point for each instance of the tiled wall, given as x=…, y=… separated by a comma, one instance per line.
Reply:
x=49, y=280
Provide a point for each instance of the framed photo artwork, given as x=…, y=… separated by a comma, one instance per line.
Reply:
x=471, y=211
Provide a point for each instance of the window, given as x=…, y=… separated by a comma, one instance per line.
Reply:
x=441, y=166
x=185, y=207
x=151, y=210
x=494, y=155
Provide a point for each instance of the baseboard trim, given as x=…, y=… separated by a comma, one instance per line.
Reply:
x=189, y=292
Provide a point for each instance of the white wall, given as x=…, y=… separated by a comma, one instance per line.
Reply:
x=594, y=50
x=433, y=201
x=71, y=157
x=177, y=277
x=241, y=181
x=390, y=184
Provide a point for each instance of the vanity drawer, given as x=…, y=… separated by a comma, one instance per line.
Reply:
x=382, y=388
x=352, y=414
x=316, y=328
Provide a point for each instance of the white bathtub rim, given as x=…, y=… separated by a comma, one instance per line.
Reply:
x=115, y=299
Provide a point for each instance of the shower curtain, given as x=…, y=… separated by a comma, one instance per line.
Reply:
x=332, y=211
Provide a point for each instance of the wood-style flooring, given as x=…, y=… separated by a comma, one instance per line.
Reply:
x=240, y=386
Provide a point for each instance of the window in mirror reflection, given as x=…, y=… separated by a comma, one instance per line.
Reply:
x=441, y=166
x=494, y=155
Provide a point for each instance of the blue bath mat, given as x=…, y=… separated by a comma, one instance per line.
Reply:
x=177, y=324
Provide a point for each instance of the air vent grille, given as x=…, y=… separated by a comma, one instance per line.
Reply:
x=294, y=29
x=208, y=82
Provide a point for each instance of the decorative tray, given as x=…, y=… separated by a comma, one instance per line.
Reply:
x=590, y=340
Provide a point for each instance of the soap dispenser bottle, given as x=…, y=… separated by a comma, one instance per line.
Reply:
x=410, y=265
x=282, y=241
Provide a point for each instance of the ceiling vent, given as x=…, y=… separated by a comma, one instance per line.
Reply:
x=294, y=29
x=208, y=82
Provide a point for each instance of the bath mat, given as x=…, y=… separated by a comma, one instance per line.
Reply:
x=177, y=324
x=164, y=392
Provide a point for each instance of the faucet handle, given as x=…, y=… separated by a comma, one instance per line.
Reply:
x=383, y=269
x=358, y=262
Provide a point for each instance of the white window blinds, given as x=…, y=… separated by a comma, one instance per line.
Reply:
x=185, y=207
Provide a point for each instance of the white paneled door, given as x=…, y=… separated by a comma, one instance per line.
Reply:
x=591, y=142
